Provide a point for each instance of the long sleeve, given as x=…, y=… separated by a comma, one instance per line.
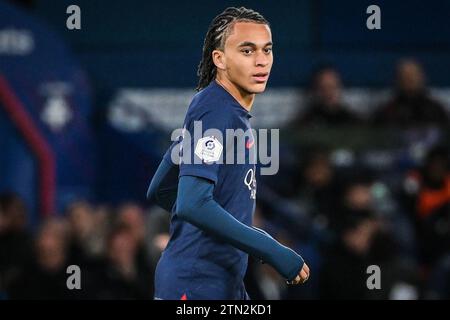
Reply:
x=163, y=187
x=196, y=205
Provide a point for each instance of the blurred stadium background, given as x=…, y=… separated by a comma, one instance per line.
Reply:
x=85, y=116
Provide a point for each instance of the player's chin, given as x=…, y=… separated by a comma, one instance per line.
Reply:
x=258, y=87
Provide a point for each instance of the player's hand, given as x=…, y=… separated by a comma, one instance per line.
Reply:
x=302, y=276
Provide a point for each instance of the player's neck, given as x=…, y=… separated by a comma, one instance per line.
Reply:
x=244, y=98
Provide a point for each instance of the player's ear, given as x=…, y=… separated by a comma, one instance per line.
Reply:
x=218, y=57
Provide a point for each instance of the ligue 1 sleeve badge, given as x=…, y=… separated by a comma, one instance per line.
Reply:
x=208, y=149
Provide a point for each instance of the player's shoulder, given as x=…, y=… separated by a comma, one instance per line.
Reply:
x=210, y=100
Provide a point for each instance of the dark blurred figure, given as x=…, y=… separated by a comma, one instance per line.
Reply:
x=362, y=242
x=428, y=198
x=45, y=277
x=326, y=106
x=363, y=238
x=438, y=286
x=87, y=233
x=123, y=277
x=318, y=188
x=81, y=224
x=15, y=241
x=132, y=216
x=343, y=275
x=157, y=235
x=411, y=104
x=88, y=227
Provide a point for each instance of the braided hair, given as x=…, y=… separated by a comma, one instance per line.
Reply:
x=216, y=36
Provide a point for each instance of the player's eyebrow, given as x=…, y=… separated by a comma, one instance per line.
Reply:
x=251, y=44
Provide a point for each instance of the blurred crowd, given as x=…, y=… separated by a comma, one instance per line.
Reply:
x=410, y=104
x=116, y=250
x=342, y=216
x=384, y=202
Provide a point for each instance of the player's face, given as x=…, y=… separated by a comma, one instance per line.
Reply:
x=248, y=56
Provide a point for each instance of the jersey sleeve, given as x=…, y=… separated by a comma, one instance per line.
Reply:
x=203, y=144
x=172, y=155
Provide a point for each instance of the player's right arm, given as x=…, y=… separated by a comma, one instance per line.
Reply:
x=158, y=191
x=164, y=184
x=196, y=205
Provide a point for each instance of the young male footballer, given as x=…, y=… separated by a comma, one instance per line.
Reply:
x=213, y=201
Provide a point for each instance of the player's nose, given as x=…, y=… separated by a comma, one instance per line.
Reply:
x=262, y=59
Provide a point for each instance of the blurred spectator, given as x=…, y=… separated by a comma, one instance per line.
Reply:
x=15, y=241
x=360, y=199
x=318, y=187
x=131, y=216
x=438, y=287
x=349, y=197
x=102, y=220
x=411, y=104
x=157, y=235
x=357, y=196
x=85, y=234
x=364, y=238
x=123, y=277
x=428, y=198
x=363, y=242
x=343, y=275
x=326, y=106
x=45, y=277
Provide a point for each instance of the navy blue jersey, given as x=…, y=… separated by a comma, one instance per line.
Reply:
x=193, y=260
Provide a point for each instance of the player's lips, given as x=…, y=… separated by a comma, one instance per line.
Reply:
x=261, y=77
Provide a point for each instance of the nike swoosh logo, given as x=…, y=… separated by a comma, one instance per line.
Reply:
x=249, y=144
